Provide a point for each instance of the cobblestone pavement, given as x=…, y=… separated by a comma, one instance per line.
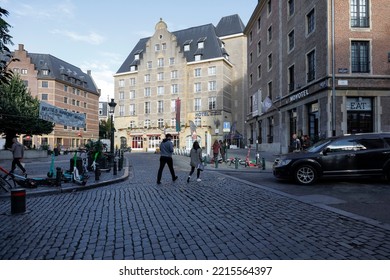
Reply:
x=218, y=218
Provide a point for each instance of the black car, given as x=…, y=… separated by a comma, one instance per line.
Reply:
x=366, y=154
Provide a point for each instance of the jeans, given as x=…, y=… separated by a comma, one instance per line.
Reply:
x=163, y=161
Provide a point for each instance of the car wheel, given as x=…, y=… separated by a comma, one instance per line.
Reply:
x=305, y=175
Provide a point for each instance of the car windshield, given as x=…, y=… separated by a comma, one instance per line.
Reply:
x=318, y=146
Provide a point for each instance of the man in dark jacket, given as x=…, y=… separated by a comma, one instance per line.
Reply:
x=166, y=151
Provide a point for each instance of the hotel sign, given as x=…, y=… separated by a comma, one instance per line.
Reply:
x=299, y=95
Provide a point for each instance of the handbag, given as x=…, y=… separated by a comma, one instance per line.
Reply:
x=200, y=166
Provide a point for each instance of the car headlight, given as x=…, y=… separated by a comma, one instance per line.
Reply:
x=282, y=162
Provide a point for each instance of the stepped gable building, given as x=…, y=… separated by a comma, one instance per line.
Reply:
x=189, y=83
x=317, y=68
x=65, y=86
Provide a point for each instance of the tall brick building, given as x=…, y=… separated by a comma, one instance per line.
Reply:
x=65, y=86
x=201, y=67
x=317, y=68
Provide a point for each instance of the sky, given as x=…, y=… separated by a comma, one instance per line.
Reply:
x=98, y=35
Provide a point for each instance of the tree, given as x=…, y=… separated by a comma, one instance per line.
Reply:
x=19, y=111
x=5, y=54
x=105, y=129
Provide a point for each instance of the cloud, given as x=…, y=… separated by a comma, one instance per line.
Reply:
x=91, y=38
x=42, y=11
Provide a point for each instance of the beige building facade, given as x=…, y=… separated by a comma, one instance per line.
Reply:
x=62, y=85
x=189, y=83
x=317, y=68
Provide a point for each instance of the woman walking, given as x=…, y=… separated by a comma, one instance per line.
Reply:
x=196, y=160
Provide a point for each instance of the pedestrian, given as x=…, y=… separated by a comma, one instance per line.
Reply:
x=216, y=148
x=195, y=161
x=166, y=151
x=17, y=150
x=222, y=150
x=295, y=143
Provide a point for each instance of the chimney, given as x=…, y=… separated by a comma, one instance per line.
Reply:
x=21, y=47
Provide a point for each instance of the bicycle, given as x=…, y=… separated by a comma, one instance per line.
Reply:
x=4, y=184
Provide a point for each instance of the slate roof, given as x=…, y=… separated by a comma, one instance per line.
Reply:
x=228, y=25
x=61, y=70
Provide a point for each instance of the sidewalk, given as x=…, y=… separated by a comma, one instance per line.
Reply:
x=38, y=168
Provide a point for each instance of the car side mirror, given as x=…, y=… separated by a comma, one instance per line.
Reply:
x=325, y=151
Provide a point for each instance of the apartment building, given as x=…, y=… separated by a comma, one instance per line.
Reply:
x=62, y=85
x=189, y=83
x=317, y=68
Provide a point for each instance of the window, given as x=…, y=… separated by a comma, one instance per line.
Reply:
x=160, y=106
x=44, y=96
x=121, y=95
x=132, y=110
x=198, y=57
x=133, y=68
x=132, y=81
x=251, y=79
x=360, y=51
x=149, y=64
x=65, y=88
x=147, y=92
x=259, y=23
x=147, y=78
x=212, y=85
x=45, y=72
x=174, y=88
x=359, y=13
x=132, y=124
x=291, y=7
x=160, y=90
x=66, y=100
x=212, y=70
x=173, y=122
x=212, y=103
x=201, y=45
x=269, y=32
x=136, y=56
x=259, y=47
x=172, y=61
x=121, y=110
x=147, y=123
x=160, y=76
x=311, y=66
x=23, y=71
x=310, y=22
x=269, y=6
x=45, y=84
x=157, y=47
x=291, y=78
x=197, y=87
x=197, y=72
x=132, y=94
x=269, y=61
x=121, y=83
x=291, y=40
x=147, y=107
x=197, y=104
x=174, y=74
x=164, y=46
x=173, y=105
x=250, y=37
x=270, y=90
x=259, y=71
x=160, y=62
x=250, y=58
x=160, y=123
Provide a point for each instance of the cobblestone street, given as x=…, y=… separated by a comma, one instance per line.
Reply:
x=216, y=219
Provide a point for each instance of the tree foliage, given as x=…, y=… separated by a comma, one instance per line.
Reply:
x=19, y=111
x=5, y=54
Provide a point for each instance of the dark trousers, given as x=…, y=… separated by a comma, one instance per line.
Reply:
x=193, y=170
x=16, y=162
x=163, y=161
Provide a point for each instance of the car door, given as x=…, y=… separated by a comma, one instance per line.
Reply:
x=371, y=154
x=338, y=158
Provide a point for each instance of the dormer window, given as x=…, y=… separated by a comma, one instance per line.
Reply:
x=198, y=57
x=133, y=68
x=186, y=46
x=201, y=42
x=136, y=57
x=45, y=72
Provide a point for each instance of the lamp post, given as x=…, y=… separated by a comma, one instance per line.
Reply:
x=112, y=105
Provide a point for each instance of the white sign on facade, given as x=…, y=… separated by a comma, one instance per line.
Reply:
x=57, y=115
x=359, y=104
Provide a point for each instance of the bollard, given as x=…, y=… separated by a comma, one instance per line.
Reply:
x=58, y=176
x=263, y=163
x=97, y=172
x=216, y=163
x=115, y=170
x=18, y=201
x=236, y=163
x=120, y=162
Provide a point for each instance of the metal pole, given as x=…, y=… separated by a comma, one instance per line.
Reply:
x=333, y=75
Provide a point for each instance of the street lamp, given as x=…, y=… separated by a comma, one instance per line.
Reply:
x=112, y=105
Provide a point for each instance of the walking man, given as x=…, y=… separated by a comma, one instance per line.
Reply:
x=18, y=153
x=166, y=151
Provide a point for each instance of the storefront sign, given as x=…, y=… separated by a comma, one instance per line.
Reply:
x=208, y=113
x=299, y=95
x=359, y=104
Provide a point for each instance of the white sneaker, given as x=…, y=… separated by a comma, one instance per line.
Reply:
x=198, y=180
